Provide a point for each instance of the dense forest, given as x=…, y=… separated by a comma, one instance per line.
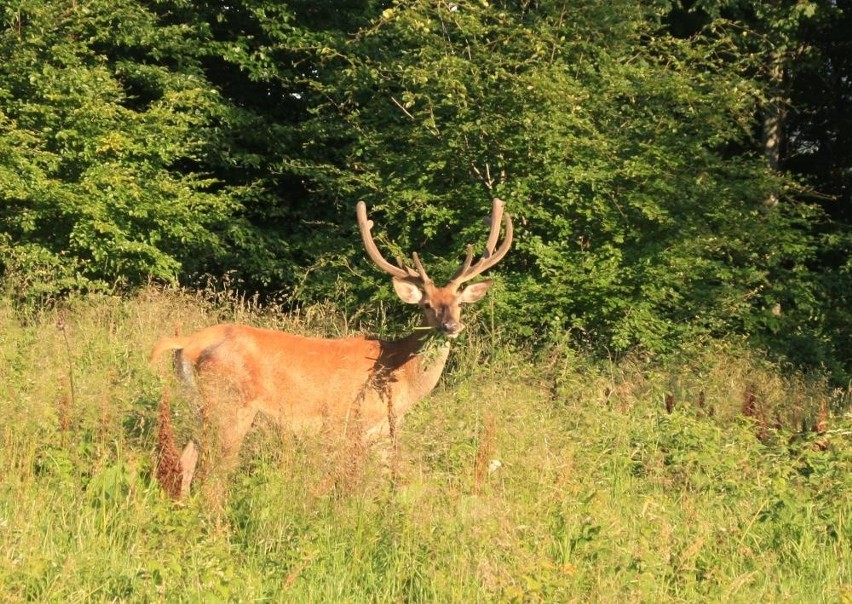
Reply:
x=676, y=170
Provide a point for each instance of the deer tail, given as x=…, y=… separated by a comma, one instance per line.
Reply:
x=182, y=366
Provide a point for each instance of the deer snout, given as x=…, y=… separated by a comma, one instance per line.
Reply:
x=451, y=328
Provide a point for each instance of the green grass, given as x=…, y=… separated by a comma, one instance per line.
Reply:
x=601, y=494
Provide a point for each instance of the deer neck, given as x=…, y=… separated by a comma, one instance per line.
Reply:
x=418, y=360
x=420, y=347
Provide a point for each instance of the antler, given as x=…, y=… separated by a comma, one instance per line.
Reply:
x=489, y=256
x=402, y=271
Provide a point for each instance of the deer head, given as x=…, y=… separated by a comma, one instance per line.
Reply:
x=441, y=306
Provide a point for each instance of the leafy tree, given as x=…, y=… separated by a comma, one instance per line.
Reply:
x=818, y=128
x=99, y=134
x=628, y=156
x=802, y=60
x=263, y=58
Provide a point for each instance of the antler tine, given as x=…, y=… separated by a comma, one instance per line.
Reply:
x=490, y=257
x=412, y=274
x=420, y=270
x=364, y=225
x=465, y=265
x=496, y=214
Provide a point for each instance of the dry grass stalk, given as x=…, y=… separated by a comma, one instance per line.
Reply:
x=68, y=397
x=355, y=452
x=757, y=412
x=821, y=424
x=168, y=472
x=63, y=408
x=483, y=454
x=749, y=407
x=62, y=326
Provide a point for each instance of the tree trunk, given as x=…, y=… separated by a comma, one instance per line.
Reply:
x=773, y=122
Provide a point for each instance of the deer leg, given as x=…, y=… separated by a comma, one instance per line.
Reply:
x=188, y=465
x=234, y=427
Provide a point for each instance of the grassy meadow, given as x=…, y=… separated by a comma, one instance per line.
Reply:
x=545, y=477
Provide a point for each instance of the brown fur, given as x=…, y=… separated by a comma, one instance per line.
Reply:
x=298, y=381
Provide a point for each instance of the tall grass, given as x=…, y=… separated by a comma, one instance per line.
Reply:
x=547, y=477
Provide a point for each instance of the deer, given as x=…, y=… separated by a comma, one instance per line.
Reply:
x=306, y=383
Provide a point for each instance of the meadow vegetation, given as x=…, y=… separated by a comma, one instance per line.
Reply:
x=525, y=477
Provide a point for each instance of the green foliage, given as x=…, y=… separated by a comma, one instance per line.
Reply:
x=262, y=56
x=154, y=140
x=801, y=59
x=90, y=149
x=626, y=155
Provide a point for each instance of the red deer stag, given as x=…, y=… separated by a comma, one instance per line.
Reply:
x=307, y=383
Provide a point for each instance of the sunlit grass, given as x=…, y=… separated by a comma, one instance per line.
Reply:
x=522, y=478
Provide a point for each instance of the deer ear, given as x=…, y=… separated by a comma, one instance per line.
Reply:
x=407, y=291
x=475, y=292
